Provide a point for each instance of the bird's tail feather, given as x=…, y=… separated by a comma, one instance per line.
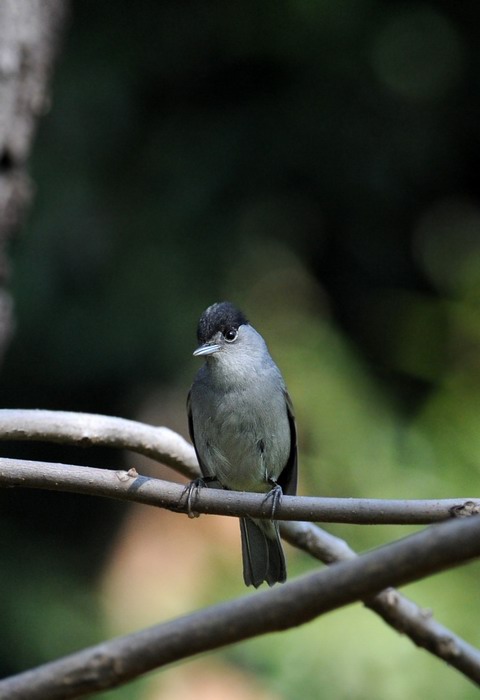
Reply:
x=263, y=558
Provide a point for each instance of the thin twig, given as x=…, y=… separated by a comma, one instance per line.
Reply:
x=115, y=662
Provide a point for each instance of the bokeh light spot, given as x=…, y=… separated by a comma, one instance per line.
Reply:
x=418, y=55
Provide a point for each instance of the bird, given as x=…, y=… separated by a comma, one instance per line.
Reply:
x=242, y=426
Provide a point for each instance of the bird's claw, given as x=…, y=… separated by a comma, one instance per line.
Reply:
x=191, y=491
x=275, y=494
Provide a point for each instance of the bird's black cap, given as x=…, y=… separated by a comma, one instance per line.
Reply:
x=219, y=317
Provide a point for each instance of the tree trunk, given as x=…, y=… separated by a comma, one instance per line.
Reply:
x=29, y=38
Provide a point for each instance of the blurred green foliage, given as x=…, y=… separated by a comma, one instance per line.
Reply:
x=317, y=163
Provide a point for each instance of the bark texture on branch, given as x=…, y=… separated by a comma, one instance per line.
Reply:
x=29, y=33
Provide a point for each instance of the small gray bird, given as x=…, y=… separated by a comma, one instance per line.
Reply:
x=242, y=427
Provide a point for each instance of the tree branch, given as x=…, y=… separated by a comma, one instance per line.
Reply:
x=166, y=446
x=117, y=661
x=130, y=486
x=396, y=610
x=90, y=429
x=85, y=429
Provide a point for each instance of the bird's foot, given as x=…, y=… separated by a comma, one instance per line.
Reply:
x=191, y=491
x=275, y=495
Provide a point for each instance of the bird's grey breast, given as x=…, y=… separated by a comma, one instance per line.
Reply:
x=241, y=429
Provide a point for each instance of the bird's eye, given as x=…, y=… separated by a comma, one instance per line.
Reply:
x=230, y=335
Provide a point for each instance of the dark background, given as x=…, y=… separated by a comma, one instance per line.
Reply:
x=314, y=162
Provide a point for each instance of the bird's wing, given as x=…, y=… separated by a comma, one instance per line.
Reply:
x=288, y=477
x=192, y=432
x=190, y=419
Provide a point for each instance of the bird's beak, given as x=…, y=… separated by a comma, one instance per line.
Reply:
x=206, y=350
